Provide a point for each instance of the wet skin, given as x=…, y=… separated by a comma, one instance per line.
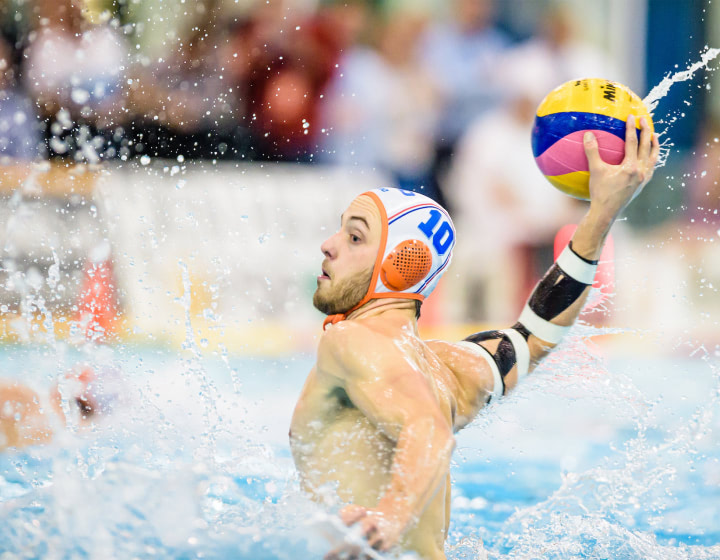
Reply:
x=23, y=421
x=348, y=431
x=376, y=417
x=373, y=427
x=27, y=419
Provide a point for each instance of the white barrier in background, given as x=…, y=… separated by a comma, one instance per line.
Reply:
x=249, y=239
x=244, y=240
x=230, y=255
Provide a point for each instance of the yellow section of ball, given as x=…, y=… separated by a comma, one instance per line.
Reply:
x=576, y=184
x=595, y=95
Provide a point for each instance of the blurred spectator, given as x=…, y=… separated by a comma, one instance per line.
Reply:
x=337, y=26
x=183, y=105
x=242, y=87
x=503, y=203
x=75, y=70
x=291, y=60
x=495, y=187
x=704, y=183
x=462, y=56
x=560, y=55
x=382, y=107
x=20, y=131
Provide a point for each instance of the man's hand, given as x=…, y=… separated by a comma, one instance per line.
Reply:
x=612, y=187
x=382, y=531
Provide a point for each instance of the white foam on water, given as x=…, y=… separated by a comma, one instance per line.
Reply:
x=618, y=508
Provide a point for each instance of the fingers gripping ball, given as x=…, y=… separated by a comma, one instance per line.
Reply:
x=563, y=117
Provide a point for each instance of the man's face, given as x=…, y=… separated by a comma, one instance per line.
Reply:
x=349, y=258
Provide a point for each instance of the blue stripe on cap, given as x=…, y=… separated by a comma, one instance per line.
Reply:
x=411, y=210
x=434, y=274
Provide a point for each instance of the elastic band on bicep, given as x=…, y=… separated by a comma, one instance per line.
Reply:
x=522, y=351
x=498, y=383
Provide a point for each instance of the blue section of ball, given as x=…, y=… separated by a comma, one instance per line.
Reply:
x=549, y=128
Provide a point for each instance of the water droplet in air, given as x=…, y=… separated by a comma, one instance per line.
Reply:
x=79, y=96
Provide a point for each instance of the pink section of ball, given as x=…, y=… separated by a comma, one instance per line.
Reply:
x=567, y=155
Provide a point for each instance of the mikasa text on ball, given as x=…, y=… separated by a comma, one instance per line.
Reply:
x=591, y=104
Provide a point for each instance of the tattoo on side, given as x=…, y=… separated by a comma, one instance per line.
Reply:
x=555, y=293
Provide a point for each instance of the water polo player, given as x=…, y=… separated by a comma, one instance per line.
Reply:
x=373, y=429
x=26, y=418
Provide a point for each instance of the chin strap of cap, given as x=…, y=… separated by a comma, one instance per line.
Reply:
x=337, y=317
x=332, y=319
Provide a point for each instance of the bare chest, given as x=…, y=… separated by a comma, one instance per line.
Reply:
x=334, y=443
x=325, y=411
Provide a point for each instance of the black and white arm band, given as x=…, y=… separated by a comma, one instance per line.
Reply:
x=511, y=350
x=561, y=286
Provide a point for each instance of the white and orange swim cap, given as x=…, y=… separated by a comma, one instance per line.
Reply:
x=416, y=246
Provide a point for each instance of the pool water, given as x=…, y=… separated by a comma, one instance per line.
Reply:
x=590, y=458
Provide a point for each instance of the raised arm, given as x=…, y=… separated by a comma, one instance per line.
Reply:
x=558, y=298
x=399, y=401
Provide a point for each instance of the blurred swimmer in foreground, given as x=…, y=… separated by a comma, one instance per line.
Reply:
x=27, y=418
x=372, y=431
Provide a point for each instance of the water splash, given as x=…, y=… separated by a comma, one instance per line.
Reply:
x=653, y=98
x=628, y=506
x=659, y=91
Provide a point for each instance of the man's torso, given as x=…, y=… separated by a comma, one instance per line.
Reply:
x=340, y=452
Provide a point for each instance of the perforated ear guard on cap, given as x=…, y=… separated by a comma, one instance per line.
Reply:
x=418, y=240
x=405, y=265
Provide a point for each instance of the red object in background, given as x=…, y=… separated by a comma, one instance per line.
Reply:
x=605, y=275
x=97, y=303
x=432, y=313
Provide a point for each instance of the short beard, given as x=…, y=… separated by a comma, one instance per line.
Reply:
x=344, y=296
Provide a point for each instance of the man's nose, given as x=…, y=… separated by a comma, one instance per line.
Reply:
x=328, y=247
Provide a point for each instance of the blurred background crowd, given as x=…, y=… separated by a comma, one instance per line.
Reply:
x=439, y=96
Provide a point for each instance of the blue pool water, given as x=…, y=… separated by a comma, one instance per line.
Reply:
x=589, y=459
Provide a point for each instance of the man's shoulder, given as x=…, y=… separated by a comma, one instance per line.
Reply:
x=12, y=388
x=356, y=347
x=14, y=394
x=346, y=340
x=343, y=333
